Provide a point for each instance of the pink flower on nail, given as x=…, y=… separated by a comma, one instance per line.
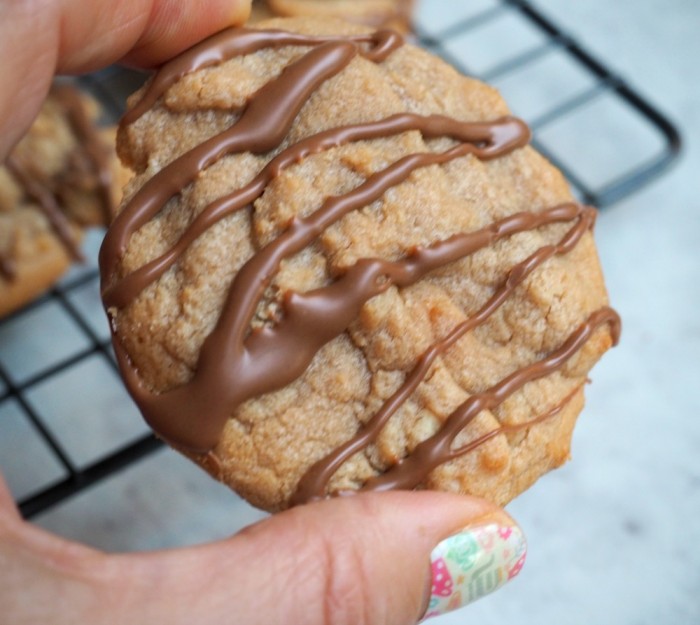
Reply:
x=505, y=532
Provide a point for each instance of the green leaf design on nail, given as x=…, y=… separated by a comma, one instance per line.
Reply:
x=464, y=550
x=474, y=563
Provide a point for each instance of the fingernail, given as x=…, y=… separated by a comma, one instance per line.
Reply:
x=473, y=563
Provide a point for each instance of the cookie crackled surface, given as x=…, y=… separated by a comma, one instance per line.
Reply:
x=339, y=267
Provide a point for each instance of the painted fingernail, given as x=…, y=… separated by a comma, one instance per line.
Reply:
x=473, y=563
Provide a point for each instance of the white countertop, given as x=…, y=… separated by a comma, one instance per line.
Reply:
x=614, y=536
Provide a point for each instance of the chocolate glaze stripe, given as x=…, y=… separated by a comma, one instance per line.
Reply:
x=314, y=483
x=490, y=140
x=241, y=41
x=48, y=205
x=484, y=438
x=89, y=139
x=264, y=124
x=516, y=427
x=437, y=450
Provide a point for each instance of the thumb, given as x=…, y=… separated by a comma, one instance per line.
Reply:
x=388, y=558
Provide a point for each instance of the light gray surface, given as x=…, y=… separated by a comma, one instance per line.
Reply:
x=614, y=535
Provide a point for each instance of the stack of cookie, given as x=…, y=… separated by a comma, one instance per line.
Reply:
x=62, y=177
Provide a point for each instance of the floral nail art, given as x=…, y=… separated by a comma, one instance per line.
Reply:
x=474, y=563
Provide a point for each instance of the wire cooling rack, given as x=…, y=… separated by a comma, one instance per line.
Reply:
x=65, y=419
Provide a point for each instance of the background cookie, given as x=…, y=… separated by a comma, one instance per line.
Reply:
x=406, y=258
x=62, y=176
x=388, y=13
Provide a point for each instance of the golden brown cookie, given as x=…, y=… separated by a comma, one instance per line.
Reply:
x=340, y=267
x=387, y=13
x=62, y=176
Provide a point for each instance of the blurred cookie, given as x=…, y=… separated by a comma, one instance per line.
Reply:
x=380, y=13
x=61, y=177
x=340, y=267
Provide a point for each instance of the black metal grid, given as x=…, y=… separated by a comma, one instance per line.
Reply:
x=110, y=86
x=605, y=81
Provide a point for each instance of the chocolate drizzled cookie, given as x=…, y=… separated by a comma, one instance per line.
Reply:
x=341, y=268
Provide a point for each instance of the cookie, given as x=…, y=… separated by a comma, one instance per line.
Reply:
x=380, y=13
x=61, y=177
x=340, y=267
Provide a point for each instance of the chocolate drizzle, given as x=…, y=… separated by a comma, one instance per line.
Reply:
x=313, y=483
x=232, y=43
x=438, y=449
x=486, y=141
x=46, y=201
x=235, y=363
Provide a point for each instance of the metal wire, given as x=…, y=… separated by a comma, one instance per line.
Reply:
x=111, y=84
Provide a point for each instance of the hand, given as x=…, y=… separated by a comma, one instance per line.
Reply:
x=383, y=558
x=41, y=38
x=361, y=560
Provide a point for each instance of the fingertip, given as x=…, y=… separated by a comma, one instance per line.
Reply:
x=478, y=559
x=410, y=554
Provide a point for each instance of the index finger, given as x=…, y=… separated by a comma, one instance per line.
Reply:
x=38, y=39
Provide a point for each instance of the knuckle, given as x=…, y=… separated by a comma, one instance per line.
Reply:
x=345, y=597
